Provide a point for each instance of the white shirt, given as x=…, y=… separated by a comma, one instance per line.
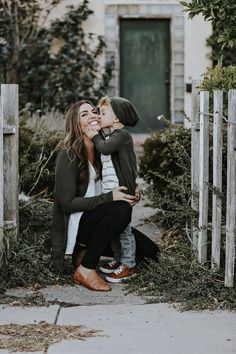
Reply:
x=109, y=177
x=93, y=189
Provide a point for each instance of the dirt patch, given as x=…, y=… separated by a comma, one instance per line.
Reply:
x=38, y=337
x=34, y=298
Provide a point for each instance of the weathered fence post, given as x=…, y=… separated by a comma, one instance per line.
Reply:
x=10, y=110
x=195, y=141
x=203, y=176
x=217, y=179
x=1, y=179
x=231, y=191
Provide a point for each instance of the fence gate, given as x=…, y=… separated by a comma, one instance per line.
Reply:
x=9, y=118
x=202, y=120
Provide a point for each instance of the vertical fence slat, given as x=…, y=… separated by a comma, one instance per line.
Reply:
x=1, y=179
x=231, y=191
x=195, y=143
x=203, y=176
x=9, y=95
x=217, y=179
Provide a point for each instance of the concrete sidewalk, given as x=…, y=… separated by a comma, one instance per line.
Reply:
x=134, y=328
x=126, y=324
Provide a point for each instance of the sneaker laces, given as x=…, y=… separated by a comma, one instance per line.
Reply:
x=119, y=269
x=112, y=263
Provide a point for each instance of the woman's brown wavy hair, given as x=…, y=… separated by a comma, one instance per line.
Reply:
x=74, y=143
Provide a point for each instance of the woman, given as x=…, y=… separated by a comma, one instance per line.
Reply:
x=102, y=216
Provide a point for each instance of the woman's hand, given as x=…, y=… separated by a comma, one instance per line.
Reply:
x=119, y=195
x=137, y=195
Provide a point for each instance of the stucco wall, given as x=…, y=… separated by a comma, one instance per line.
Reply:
x=196, y=53
x=196, y=32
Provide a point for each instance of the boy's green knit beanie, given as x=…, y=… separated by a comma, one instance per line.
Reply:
x=124, y=111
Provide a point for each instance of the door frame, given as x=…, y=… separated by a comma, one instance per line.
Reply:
x=173, y=13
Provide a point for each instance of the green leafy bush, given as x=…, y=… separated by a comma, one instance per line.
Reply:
x=219, y=78
x=165, y=165
x=36, y=157
x=56, y=64
x=226, y=55
x=166, y=160
x=222, y=15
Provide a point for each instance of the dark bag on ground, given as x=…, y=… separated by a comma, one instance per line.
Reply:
x=145, y=247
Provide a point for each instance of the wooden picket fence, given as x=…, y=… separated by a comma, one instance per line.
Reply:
x=202, y=122
x=9, y=118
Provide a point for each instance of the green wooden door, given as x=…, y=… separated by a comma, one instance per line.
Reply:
x=144, y=69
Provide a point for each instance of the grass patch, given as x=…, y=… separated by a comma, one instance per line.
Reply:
x=178, y=278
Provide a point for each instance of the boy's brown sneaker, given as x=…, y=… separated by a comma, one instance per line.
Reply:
x=109, y=267
x=122, y=273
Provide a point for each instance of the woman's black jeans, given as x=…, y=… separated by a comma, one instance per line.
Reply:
x=98, y=227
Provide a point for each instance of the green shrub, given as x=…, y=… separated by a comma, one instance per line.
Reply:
x=55, y=64
x=36, y=157
x=222, y=15
x=219, y=78
x=165, y=165
x=166, y=160
x=226, y=55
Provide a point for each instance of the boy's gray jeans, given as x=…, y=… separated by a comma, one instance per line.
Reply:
x=124, y=248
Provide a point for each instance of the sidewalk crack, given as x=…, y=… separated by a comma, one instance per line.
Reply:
x=57, y=315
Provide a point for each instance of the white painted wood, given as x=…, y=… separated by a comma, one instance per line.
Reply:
x=217, y=179
x=195, y=143
x=9, y=95
x=9, y=130
x=231, y=191
x=203, y=176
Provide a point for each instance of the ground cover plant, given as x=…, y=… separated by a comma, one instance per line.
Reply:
x=27, y=262
x=175, y=278
x=178, y=278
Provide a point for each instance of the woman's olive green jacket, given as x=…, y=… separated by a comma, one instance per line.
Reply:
x=68, y=198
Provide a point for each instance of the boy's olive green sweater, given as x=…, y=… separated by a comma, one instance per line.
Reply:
x=68, y=198
x=120, y=147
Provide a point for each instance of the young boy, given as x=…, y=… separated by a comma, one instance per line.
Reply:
x=119, y=167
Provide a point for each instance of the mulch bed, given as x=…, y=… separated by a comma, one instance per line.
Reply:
x=39, y=336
